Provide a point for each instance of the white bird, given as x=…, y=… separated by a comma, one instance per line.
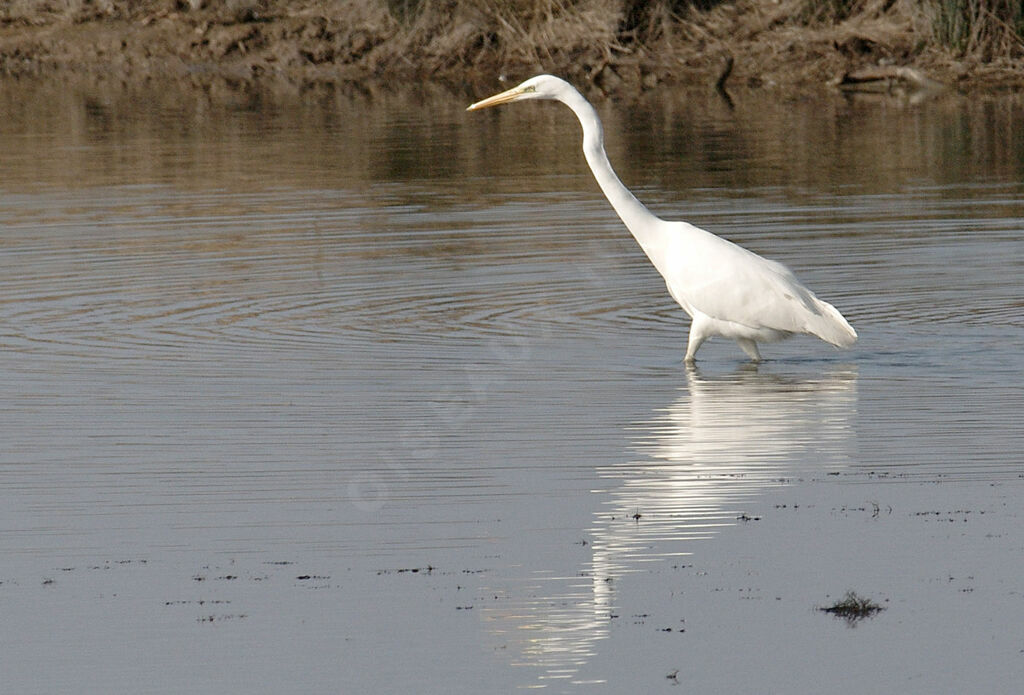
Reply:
x=727, y=290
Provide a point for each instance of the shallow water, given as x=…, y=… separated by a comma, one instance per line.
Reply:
x=361, y=392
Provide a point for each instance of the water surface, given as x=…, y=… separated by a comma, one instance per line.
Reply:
x=361, y=392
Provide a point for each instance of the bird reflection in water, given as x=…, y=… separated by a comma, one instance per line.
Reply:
x=721, y=442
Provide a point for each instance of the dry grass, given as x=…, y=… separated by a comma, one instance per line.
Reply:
x=607, y=43
x=514, y=36
x=986, y=29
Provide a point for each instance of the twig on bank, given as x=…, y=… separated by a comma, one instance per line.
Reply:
x=723, y=75
x=886, y=76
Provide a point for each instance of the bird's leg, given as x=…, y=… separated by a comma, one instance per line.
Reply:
x=693, y=344
x=749, y=347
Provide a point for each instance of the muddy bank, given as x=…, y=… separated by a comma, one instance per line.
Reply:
x=611, y=44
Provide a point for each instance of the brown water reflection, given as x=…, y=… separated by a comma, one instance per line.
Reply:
x=89, y=135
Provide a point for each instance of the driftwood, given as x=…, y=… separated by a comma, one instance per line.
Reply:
x=887, y=76
x=724, y=73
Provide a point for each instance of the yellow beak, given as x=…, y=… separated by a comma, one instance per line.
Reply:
x=503, y=98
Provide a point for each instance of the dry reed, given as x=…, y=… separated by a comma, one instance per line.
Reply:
x=604, y=42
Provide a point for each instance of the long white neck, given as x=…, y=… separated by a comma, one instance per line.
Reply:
x=642, y=224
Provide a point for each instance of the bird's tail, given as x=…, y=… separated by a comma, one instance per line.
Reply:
x=830, y=326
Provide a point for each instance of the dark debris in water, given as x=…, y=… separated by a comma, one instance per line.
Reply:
x=220, y=618
x=429, y=569
x=853, y=608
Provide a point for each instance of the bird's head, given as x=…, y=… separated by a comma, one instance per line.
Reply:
x=539, y=87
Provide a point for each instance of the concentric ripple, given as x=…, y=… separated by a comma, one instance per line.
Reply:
x=148, y=268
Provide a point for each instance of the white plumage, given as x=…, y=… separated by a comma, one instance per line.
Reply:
x=727, y=290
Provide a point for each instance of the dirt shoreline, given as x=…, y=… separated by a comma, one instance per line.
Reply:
x=310, y=42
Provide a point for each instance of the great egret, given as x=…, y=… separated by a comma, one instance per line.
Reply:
x=726, y=289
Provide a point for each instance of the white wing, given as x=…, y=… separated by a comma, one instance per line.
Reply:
x=727, y=282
